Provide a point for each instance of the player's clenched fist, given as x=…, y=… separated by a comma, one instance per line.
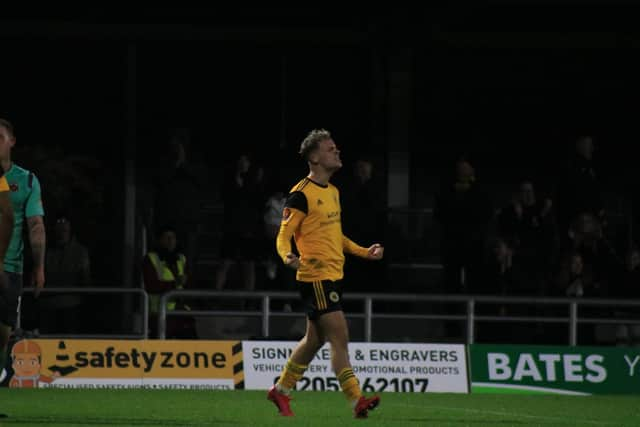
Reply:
x=375, y=252
x=292, y=261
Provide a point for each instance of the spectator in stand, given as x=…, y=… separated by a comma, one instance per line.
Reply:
x=503, y=277
x=68, y=266
x=281, y=277
x=464, y=211
x=528, y=226
x=67, y=261
x=179, y=189
x=580, y=190
x=272, y=217
x=574, y=278
x=629, y=335
x=630, y=283
x=587, y=238
x=243, y=198
x=363, y=215
x=164, y=269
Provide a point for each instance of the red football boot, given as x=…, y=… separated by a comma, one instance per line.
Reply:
x=365, y=405
x=281, y=401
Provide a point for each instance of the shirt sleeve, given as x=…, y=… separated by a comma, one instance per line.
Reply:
x=297, y=200
x=33, y=205
x=351, y=247
x=295, y=210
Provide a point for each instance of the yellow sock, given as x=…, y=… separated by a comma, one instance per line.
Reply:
x=349, y=384
x=290, y=376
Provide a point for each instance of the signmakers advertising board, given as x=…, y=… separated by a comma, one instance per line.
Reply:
x=126, y=364
x=551, y=369
x=379, y=367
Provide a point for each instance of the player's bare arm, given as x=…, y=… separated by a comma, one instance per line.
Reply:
x=37, y=239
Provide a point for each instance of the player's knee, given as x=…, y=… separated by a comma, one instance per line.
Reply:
x=339, y=341
x=312, y=342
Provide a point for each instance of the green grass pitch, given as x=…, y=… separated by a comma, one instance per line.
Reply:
x=141, y=407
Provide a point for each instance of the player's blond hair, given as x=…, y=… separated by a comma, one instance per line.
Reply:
x=312, y=140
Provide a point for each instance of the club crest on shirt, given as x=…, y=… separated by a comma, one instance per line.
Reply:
x=13, y=187
x=286, y=214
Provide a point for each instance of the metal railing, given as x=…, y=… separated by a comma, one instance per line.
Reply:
x=469, y=302
x=144, y=310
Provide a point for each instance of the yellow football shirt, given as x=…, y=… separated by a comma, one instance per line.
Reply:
x=312, y=217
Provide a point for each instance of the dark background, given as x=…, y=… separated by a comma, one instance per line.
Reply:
x=511, y=83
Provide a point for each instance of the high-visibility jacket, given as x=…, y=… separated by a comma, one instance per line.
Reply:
x=165, y=275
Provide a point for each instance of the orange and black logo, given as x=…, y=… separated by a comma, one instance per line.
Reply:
x=286, y=213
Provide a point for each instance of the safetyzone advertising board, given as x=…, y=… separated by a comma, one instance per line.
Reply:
x=395, y=367
x=554, y=369
x=213, y=365
x=227, y=365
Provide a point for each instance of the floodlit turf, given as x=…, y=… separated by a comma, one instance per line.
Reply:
x=73, y=407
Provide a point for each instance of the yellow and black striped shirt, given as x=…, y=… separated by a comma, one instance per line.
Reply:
x=312, y=217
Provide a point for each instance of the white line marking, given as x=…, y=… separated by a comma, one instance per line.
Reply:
x=530, y=388
x=516, y=415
